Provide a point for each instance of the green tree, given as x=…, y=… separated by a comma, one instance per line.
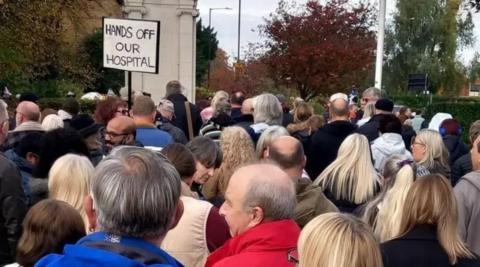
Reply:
x=105, y=78
x=206, y=40
x=424, y=38
x=38, y=49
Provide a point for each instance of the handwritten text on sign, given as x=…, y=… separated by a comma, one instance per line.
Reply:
x=131, y=45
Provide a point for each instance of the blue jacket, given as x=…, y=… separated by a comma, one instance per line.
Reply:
x=151, y=136
x=92, y=251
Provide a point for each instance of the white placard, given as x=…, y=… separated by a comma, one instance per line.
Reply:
x=131, y=45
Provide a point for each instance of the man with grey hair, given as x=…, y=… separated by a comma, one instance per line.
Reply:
x=134, y=201
x=325, y=142
x=267, y=111
x=12, y=198
x=187, y=116
x=259, y=207
x=370, y=95
x=165, y=116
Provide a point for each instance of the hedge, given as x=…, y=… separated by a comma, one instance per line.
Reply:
x=86, y=106
x=464, y=112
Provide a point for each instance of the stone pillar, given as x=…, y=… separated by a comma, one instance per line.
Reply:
x=177, y=44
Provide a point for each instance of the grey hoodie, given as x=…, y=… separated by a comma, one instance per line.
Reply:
x=467, y=192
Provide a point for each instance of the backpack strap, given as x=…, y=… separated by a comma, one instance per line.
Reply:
x=188, y=110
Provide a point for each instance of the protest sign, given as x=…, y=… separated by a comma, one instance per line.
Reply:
x=131, y=45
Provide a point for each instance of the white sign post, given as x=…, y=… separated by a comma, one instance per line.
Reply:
x=131, y=45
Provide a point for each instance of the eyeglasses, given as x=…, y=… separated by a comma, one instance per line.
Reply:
x=413, y=142
x=292, y=256
x=113, y=134
x=123, y=111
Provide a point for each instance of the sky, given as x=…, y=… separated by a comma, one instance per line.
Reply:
x=225, y=22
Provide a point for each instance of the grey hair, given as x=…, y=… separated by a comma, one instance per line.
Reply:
x=277, y=201
x=391, y=165
x=373, y=91
x=135, y=193
x=3, y=111
x=267, y=137
x=173, y=87
x=267, y=109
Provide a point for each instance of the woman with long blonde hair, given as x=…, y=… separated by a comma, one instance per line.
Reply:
x=350, y=180
x=209, y=112
x=237, y=148
x=430, y=153
x=428, y=229
x=69, y=181
x=338, y=240
x=385, y=211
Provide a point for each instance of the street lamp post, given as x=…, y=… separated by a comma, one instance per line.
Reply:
x=239, y=27
x=380, y=44
x=210, y=40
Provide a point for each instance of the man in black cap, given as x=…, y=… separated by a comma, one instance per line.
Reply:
x=370, y=129
x=90, y=131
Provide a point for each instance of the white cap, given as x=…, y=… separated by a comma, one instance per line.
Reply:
x=339, y=96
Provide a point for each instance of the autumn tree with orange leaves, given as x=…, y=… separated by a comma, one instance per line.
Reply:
x=320, y=48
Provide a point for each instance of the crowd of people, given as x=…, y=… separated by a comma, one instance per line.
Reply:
x=244, y=181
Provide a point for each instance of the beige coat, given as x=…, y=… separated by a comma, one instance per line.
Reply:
x=187, y=242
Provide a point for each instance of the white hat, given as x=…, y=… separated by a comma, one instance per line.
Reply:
x=339, y=96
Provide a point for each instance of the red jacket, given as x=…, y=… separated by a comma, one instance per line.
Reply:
x=267, y=244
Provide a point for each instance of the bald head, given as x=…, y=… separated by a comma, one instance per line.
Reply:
x=120, y=130
x=247, y=106
x=27, y=111
x=288, y=153
x=265, y=186
x=123, y=124
x=339, y=110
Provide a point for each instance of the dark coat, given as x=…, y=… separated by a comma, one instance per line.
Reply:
x=177, y=134
x=324, y=144
x=419, y=248
x=180, y=120
x=461, y=167
x=13, y=208
x=407, y=134
x=456, y=147
x=370, y=129
x=287, y=119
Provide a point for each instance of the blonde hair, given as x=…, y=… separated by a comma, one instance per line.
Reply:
x=431, y=201
x=436, y=155
x=312, y=124
x=369, y=110
x=266, y=138
x=338, y=240
x=69, y=180
x=237, y=147
x=220, y=96
x=390, y=203
x=351, y=176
